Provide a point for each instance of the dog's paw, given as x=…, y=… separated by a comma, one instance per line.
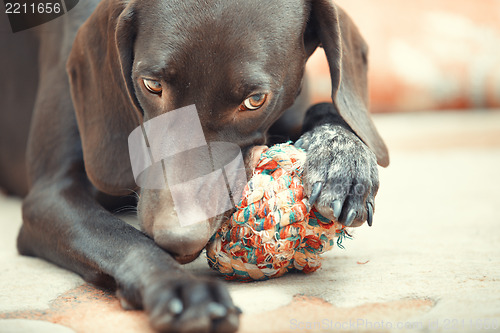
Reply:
x=340, y=174
x=190, y=305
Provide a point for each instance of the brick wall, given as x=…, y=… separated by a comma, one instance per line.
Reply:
x=425, y=54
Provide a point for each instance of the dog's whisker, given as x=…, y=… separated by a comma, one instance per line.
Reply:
x=126, y=209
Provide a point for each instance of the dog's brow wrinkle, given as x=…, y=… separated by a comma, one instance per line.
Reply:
x=246, y=89
x=144, y=69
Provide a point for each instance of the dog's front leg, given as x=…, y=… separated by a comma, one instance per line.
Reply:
x=64, y=224
x=341, y=173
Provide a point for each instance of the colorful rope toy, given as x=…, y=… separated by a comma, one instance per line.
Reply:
x=271, y=231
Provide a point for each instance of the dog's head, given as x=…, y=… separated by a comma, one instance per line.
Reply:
x=240, y=62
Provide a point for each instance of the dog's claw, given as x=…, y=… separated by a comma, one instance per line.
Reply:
x=175, y=307
x=298, y=143
x=337, y=208
x=316, y=190
x=370, y=214
x=350, y=217
x=216, y=310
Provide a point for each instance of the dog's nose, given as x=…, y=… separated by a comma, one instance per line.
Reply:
x=186, y=259
x=184, y=243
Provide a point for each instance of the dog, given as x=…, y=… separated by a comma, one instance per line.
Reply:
x=81, y=84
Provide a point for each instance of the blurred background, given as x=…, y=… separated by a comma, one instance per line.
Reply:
x=425, y=55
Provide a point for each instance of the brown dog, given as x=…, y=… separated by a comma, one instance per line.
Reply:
x=241, y=63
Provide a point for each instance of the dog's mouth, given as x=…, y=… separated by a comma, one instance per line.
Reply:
x=252, y=158
x=161, y=220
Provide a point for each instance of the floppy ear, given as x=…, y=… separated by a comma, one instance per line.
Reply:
x=107, y=110
x=346, y=54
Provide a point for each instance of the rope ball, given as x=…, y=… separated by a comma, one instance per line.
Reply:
x=272, y=230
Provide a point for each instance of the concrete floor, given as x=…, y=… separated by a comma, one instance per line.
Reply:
x=431, y=262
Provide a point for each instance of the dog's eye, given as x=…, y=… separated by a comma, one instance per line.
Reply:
x=253, y=102
x=152, y=86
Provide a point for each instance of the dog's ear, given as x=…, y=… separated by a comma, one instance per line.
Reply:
x=346, y=52
x=107, y=110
